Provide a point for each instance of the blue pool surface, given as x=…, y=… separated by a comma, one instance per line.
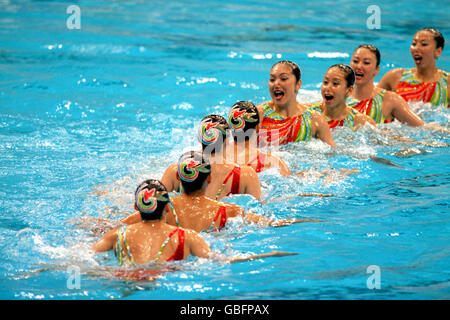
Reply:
x=86, y=115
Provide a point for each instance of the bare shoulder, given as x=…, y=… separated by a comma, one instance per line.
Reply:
x=171, y=170
x=318, y=119
x=169, y=178
x=392, y=97
x=316, y=114
x=394, y=73
x=248, y=171
x=233, y=210
x=390, y=79
x=192, y=235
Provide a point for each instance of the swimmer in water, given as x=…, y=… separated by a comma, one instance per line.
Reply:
x=152, y=240
x=193, y=210
x=381, y=105
x=337, y=85
x=244, y=119
x=227, y=177
x=284, y=119
x=425, y=82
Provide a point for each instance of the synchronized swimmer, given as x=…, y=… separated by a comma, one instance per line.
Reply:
x=166, y=227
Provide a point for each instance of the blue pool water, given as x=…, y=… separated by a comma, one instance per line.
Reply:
x=106, y=106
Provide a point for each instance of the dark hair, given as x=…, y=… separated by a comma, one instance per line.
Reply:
x=348, y=71
x=193, y=169
x=212, y=133
x=243, y=119
x=372, y=49
x=438, y=37
x=150, y=199
x=295, y=68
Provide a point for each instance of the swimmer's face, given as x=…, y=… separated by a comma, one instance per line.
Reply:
x=334, y=88
x=283, y=85
x=423, y=49
x=364, y=63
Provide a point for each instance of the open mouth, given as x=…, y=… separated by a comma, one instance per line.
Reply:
x=359, y=75
x=278, y=94
x=417, y=59
x=328, y=97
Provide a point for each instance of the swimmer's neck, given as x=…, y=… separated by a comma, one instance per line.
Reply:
x=364, y=91
x=426, y=74
x=195, y=195
x=338, y=112
x=154, y=223
x=290, y=109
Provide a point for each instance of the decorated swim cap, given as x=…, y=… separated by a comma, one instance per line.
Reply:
x=211, y=128
x=148, y=195
x=242, y=113
x=190, y=165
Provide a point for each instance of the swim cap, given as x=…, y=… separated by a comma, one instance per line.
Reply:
x=243, y=115
x=193, y=169
x=212, y=131
x=243, y=119
x=150, y=197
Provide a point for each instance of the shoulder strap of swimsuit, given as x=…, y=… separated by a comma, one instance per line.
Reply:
x=122, y=248
x=316, y=106
x=236, y=174
x=222, y=213
x=260, y=159
x=408, y=77
x=174, y=212
x=176, y=255
x=223, y=184
x=179, y=252
x=236, y=180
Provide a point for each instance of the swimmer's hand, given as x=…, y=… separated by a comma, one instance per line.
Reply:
x=288, y=222
x=384, y=161
x=304, y=194
x=260, y=256
x=264, y=221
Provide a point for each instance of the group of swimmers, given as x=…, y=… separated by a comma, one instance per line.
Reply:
x=166, y=228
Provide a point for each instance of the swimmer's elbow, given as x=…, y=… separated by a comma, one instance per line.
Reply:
x=100, y=246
